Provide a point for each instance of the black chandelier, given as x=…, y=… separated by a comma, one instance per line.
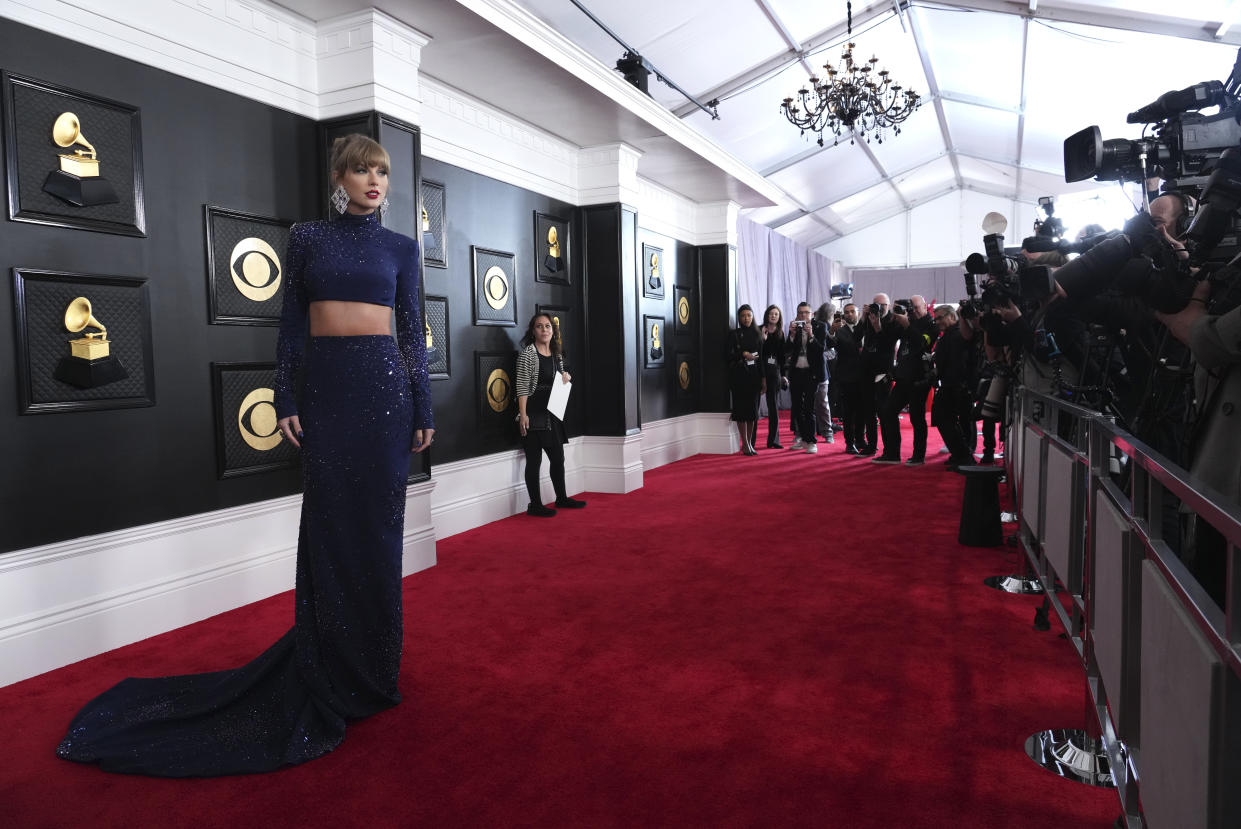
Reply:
x=856, y=98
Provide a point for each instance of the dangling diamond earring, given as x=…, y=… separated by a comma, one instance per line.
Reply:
x=383, y=208
x=340, y=198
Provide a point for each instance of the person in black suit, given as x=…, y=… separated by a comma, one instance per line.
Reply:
x=848, y=376
x=772, y=360
x=878, y=346
x=807, y=367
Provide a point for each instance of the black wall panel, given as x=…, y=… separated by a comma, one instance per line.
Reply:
x=79, y=473
x=717, y=291
x=660, y=397
x=488, y=213
x=73, y=474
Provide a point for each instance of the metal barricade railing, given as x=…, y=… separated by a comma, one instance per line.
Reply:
x=1162, y=660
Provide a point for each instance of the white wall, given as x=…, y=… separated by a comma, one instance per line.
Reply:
x=941, y=232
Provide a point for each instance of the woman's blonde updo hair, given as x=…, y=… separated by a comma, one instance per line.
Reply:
x=356, y=149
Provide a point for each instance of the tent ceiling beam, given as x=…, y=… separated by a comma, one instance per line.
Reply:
x=933, y=92
x=1126, y=19
x=768, y=67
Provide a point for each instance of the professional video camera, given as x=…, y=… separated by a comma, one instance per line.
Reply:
x=1195, y=154
x=1011, y=277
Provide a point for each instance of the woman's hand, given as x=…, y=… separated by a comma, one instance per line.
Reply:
x=523, y=423
x=565, y=377
x=422, y=439
x=291, y=428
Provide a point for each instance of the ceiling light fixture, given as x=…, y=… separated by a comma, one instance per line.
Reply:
x=857, y=98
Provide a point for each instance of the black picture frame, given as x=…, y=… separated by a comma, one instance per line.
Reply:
x=439, y=356
x=564, y=323
x=114, y=129
x=243, y=396
x=684, y=314
x=548, y=268
x=488, y=266
x=653, y=273
x=434, y=236
x=686, y=375
x=231, y=298
x=495, y=419
x=120, y=303
x=654, y=342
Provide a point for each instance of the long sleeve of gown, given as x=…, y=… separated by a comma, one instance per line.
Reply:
x=293, y=323
x=411, y=337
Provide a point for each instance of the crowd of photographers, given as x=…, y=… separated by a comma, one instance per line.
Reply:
x=868, y=367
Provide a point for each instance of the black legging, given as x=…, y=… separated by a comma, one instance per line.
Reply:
x=773, y=404
x=536, y=443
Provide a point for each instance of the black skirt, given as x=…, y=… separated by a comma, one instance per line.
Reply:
x=745, y=382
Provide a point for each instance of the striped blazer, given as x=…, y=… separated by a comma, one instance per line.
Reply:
x=528, y=371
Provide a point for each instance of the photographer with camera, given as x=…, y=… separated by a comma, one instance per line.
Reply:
x=912, y=382
x=878, y=345
x=848, y=375
x=952, y=410
x=806, y=366
x=822, y=395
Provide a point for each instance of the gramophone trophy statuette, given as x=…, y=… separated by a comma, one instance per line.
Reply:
x=428, y=238
x=90, y=362
x=77, y=181
x=551, y=262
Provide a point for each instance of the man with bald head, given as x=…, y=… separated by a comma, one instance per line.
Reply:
x=912, y=382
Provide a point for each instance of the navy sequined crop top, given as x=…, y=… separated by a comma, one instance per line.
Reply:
x=354, y=259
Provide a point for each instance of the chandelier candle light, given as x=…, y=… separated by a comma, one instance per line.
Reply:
x=856, y=98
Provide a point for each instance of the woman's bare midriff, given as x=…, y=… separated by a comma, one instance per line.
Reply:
x=334, y=318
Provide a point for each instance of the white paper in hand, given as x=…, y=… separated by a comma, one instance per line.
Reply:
x=559, y=399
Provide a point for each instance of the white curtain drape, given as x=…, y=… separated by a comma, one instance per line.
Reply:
x=772, y=269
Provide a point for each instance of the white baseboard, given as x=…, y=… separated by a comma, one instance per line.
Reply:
x=64, y=602
x=68, y=601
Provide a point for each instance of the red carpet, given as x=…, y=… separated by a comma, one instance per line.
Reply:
x=787, y=640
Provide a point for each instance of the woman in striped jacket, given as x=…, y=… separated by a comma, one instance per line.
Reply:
x=538, y=364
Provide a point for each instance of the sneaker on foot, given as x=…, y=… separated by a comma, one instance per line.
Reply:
x=811, y=448
x=569, y=503
x=540, y=511
x=914, y=462
x=798, y=445
x=831, y=437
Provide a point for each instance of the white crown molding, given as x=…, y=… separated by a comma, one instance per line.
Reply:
x=368, y=60
x=525, y=27
x=467, y=133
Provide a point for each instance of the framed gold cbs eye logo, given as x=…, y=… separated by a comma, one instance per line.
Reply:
x=245, y=267
x=248, y=438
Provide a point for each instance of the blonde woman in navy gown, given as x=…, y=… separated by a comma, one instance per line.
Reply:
x=357, y=403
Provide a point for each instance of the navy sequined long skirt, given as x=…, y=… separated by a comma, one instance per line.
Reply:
x=342, y=657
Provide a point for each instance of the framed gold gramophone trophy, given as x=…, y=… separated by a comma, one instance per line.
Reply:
x=551, y=249
x=433, y=218
x=73, y=159
x=652, y=272
x=435, y=312
x=90, y=363
x=78, y=180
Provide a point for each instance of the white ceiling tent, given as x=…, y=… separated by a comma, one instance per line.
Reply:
x=1003, y=83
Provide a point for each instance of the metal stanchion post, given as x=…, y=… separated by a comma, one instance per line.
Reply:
x=1072, y=753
